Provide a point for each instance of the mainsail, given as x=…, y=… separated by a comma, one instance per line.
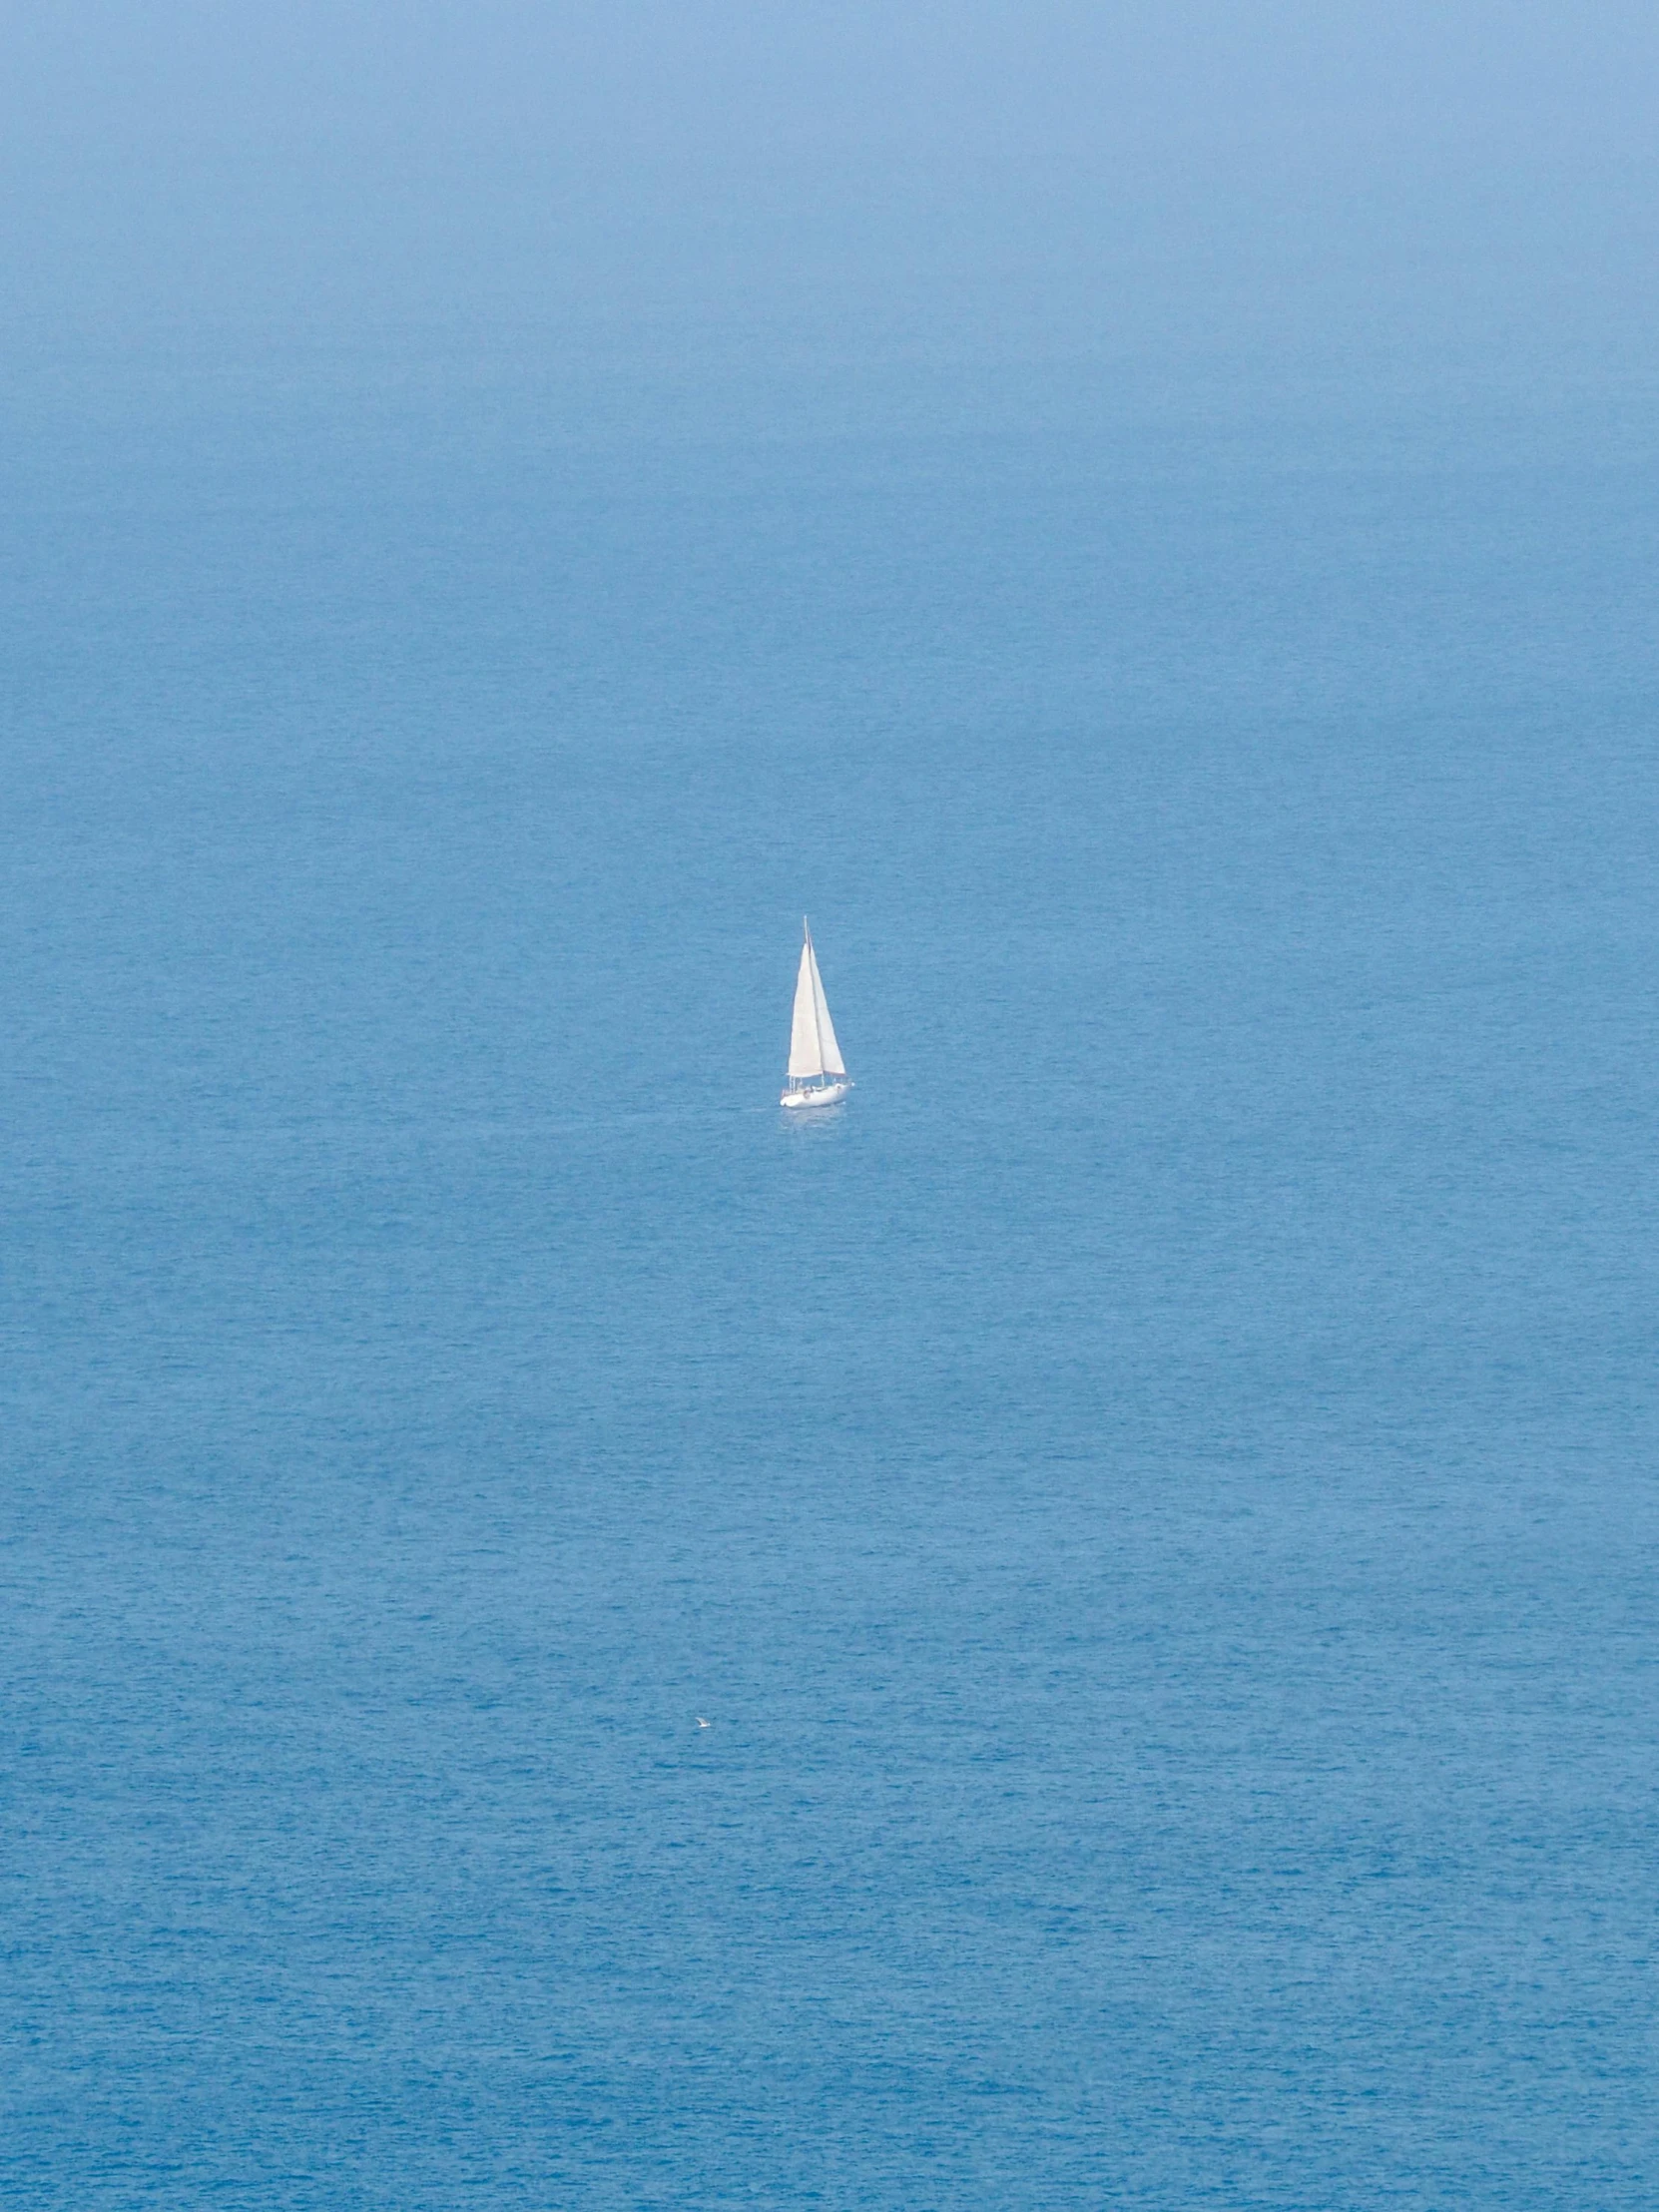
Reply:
x=813, y=1046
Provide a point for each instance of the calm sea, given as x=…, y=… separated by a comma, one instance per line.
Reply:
x=1154, y=1500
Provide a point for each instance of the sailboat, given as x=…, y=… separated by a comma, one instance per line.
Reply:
x=817, y=1074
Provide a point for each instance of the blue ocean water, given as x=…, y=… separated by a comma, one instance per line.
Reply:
x=1154, y=1498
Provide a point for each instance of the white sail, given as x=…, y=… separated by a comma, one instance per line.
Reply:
x=813, y=1048
x=805, y=1052
x=830, y=1051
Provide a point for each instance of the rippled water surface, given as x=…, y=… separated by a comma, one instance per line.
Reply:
x=1153, y=1498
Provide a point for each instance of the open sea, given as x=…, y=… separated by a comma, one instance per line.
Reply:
x=1154, y=1498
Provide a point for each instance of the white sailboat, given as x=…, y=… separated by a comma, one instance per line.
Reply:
x=818, y=1073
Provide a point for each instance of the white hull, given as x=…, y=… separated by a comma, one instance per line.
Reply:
x=825, y=1094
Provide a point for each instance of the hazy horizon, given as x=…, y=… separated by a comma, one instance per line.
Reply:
x=979, y=181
